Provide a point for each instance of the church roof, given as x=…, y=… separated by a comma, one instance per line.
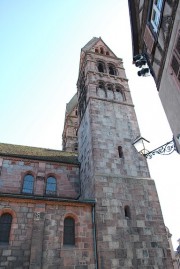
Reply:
x=38, y=153
x=72, y=103
x=91, y=43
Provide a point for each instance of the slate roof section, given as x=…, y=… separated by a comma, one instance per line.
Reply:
x=72, y=103
x=93, y=42
x=34, y=153
x=90, y=44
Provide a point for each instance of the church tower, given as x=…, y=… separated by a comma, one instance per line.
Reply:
x=130, y=231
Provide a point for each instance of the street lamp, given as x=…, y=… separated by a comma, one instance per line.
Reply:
x=166, y=149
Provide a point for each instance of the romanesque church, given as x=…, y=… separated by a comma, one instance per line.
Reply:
x=92, y=205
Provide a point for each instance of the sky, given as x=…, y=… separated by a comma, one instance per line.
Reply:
x=40, y=44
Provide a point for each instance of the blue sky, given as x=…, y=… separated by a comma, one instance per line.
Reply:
x=40, y=46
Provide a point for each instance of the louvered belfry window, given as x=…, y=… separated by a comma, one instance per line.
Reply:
x=175, y=62
x=5, y=227
x=69, y=231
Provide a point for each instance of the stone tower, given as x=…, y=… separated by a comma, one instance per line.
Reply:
x=69, y=136
x=130, y=231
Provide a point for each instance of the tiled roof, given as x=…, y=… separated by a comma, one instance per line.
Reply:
x=38, y=153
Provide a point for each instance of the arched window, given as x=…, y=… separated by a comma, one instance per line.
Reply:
x=110, y=87
x=101, y=67
x=51, y=186
x=127, y=212
x=5, y=227
x=101, y=85
x=118, y=89
x=69, y=231
x=120, y=94
x=28, y=184
x=112, y=70
x=107, y=52
x=101, y=50
x=120, y=151
x=96, y=50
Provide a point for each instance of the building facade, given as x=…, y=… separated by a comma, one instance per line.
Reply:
x=69, y=136
x=155, y=27
x=97, y=209
x=177, y=255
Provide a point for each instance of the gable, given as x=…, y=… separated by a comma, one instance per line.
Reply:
x=98, y=45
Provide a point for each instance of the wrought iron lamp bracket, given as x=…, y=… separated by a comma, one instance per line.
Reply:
x=165, y=149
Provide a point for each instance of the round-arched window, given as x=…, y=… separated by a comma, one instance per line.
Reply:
x=69, y=231
x=28, y=184
x=51, y=186
x=5, y=227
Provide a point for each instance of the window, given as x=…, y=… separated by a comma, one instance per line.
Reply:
x=101, y=50
x=112, y=70
x=5, y=227
x=76, y=146
x=110, y=87
x=120, y=95
x=101, y=85
x=120, y=152
x=96, y=50
x=28, y=184
x=69, y=231
x=101, y=67
x=51, y=186
x=127, y=212
x=107, y=52
x=175, y=62
x=156, y=14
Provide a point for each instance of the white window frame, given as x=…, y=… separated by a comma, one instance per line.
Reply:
x=156, y=14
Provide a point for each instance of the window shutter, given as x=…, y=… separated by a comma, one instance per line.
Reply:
x=148, y=39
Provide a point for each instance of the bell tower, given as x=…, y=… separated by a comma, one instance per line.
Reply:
x=130, y=232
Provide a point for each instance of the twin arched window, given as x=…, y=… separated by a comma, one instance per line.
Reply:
x=111, y=68
x=69, y=231
x=5, y=227
x=28, y=185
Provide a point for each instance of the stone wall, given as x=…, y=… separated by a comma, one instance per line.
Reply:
x=36, y=239
x=135, y=241
x=14, y=170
